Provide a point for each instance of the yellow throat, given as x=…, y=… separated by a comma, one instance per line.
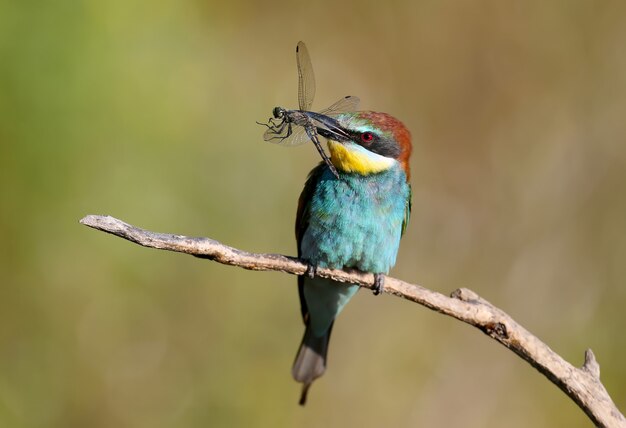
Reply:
x=354, y=158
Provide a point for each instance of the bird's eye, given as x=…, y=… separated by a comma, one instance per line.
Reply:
x=367, y=137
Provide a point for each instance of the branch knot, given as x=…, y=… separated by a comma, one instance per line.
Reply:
x=465, y=295
x=496, y=329
x=591, y=365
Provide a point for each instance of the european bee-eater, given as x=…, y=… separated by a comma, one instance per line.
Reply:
x=350, y=220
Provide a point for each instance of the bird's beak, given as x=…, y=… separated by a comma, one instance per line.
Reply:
x=329, y=127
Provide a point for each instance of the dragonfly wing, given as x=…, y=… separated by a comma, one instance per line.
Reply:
x=296, y=137
x=306, y=78
x=293, y=134
x=345, y=104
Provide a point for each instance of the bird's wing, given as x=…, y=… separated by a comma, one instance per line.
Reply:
x=302, y=223
x=407, y=210
x=302, y=216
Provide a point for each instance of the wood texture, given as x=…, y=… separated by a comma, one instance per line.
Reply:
x=582, y=385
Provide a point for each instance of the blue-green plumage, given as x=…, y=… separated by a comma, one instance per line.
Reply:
x=354, y=220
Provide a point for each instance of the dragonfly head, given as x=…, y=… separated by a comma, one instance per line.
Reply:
x=278, y=112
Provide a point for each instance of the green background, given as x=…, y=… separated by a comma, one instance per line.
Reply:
x=145, y=110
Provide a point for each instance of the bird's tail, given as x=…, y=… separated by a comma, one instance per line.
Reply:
x=310, y=362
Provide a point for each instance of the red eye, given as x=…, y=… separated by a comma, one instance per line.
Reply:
x=367, y=137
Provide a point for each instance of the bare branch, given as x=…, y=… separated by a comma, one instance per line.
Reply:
x=582, y=385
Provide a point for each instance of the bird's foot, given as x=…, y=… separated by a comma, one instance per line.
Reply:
x=311, y=271
x=379, y=283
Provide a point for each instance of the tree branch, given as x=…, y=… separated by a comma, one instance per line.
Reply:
x=582, y=385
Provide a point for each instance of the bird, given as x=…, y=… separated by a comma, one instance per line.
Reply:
x=353, y=219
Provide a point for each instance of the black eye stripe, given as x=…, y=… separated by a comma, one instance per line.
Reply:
x=377, y=144
x=386, y=148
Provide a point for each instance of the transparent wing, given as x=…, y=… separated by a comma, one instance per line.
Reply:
x=295, y=137
x=292, y=134
x=344, y=105
x=306, y=78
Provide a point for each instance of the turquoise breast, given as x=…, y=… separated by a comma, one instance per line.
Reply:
x=356, y=221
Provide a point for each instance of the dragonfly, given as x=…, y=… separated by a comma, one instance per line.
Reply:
x=295, y=127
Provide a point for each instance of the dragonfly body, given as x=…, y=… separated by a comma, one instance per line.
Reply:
x=284, y=120
x=281, y=127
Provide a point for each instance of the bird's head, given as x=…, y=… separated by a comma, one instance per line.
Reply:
x=366, y=142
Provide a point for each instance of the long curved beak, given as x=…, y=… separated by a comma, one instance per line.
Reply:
x=329, y=127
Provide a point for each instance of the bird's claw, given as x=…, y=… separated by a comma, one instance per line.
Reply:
x=379, y=283
x=311, y=271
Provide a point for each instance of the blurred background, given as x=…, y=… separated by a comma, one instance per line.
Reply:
x=146, y=111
